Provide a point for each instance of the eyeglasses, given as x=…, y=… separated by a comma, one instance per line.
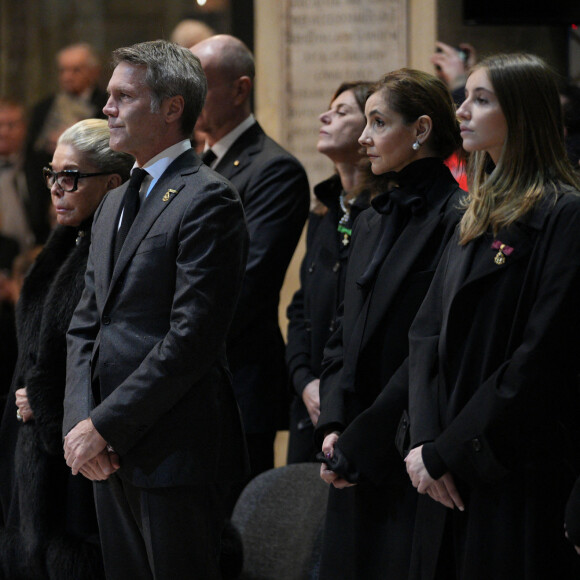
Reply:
x=67, y=180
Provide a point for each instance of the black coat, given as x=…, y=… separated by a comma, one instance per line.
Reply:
x=276, y=196
x=493, y=372
x=368, y=527
x=573, y=515
x=313, y=310
x=49, y=524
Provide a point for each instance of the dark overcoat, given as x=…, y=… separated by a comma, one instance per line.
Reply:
x=313, y=310
x=493, y=372
x=276, y=196
x=368, y=527
x=49, y=522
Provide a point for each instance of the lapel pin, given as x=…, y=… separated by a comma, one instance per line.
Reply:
x=503, y=251
x=236, y=162
x=168, y=194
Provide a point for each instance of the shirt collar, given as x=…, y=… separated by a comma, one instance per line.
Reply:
x=157, y=165
x=220, y=148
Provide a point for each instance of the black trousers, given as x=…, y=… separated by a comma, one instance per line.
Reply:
x=160, y=533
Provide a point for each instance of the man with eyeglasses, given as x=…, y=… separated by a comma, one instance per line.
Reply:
x=147, y=377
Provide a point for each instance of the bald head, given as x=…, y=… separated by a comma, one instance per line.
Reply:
x=229, y=67
x=189, y=32
x=227, y=55
x=78, y=68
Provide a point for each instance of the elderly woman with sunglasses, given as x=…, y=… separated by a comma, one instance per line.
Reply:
x=49, y=527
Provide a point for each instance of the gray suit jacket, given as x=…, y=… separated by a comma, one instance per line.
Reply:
x=156, y=325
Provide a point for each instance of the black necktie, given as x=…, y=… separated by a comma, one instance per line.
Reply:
x=208, y=157
x=130, y=208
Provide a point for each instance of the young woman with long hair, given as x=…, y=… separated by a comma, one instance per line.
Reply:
x=493, y=360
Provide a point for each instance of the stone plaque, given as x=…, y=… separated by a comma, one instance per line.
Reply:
x=329, y=42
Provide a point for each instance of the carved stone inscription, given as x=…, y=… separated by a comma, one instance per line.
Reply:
x=328, y=42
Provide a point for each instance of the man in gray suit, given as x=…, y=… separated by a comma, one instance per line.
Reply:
x=150, y=413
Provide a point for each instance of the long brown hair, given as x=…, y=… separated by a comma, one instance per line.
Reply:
x=533, y=159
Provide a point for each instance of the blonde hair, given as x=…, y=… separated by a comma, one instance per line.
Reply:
x=91, y=138
x=533, y=161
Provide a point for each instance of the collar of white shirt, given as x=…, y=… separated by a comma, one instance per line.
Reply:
x=220, y=148
x=157, y=165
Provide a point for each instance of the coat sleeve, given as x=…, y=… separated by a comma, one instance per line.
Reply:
x=81, y=335
x=423, y=362
x=299, y=347
x=369, y=442
x=573, y=515
x=333, y=390
x=46, y=379
x=332, y=401
x=523, y=403
x=276, y=203
x=210, y=260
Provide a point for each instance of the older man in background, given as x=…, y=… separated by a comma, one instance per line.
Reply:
x=19, y=217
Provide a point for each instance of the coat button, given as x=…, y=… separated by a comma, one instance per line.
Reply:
x=476, y=444
x=106, y=320
x=336, y=267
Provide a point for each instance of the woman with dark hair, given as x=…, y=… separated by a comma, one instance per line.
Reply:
x=493, y=363
x=312, y=312
x=396, y=245
x=48, y=516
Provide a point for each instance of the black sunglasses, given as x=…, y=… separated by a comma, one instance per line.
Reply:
x=67, y=180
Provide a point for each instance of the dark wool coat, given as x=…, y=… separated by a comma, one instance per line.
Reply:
x=49, y=525
x=573, y=515
x=275, y=194
x=368, y=527
x=313, y=310
x=493, y=372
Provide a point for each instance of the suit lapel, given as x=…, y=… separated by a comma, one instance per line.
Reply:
x=478, y=263
x=239, y=155
x=367, y=235
x=396, y=267
x=106, y=241
x=521, y=236
x=517, y=238
x=158, y=200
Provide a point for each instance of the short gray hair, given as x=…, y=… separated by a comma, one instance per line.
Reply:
x=91, y=138
x=171, y=70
